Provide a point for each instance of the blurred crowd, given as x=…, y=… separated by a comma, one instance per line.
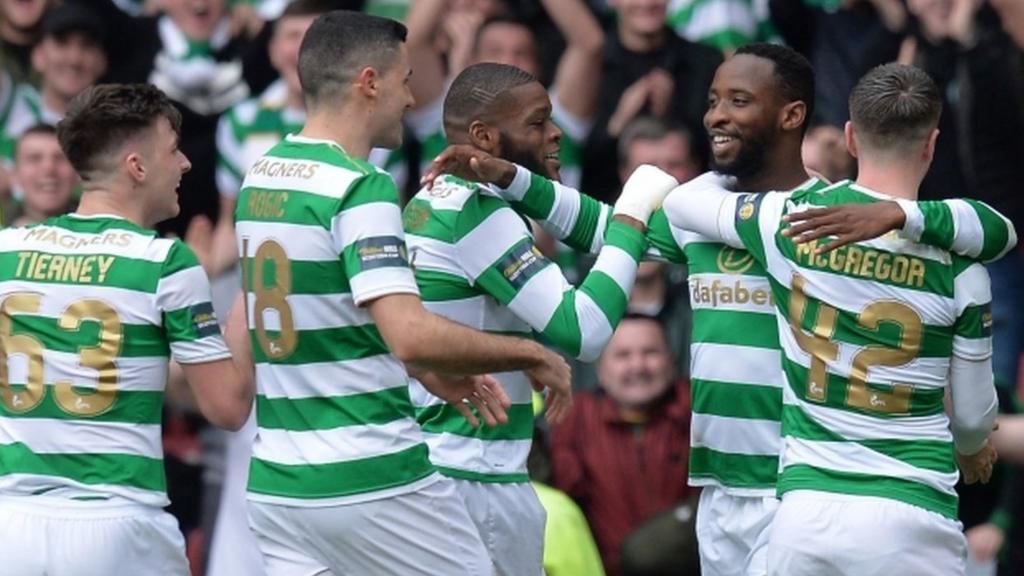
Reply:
x=628, y=81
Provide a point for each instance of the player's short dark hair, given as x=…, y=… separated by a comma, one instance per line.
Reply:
x=339, y=44
x=477, y=91
x=103, y=116
x=895, y=105
x=648, y=128
x=499, y=19
x=794, y=73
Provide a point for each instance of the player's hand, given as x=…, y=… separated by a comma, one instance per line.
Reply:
x=555, y=375
x=481, y=392
x=643, y=192
x=845, y=224
x=469, y=163
x=978, y=467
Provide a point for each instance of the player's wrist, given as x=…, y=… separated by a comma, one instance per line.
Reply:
x=514, y=182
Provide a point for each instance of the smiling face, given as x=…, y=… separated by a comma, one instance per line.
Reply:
x=636, y=368
x=44, y=173
x=69, y=63
x=742, y=116
x=164, y=165
x=528, y=135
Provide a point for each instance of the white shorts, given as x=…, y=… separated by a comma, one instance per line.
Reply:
x=42, y=536
x=427, y=532
x=510, y=519
x=732, y=532
x=823, y=534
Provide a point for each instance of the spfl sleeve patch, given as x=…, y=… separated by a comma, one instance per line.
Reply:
x=520, y=264
x=204, y=320
x=381, y=252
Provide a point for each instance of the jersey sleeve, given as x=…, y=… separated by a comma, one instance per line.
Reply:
x=367, y=233
x=972, y=336
x=229, y=171
x=974, y=404
x=579, y=220
x=184, y=300
x=496, y=250
x=703, y=205
x=966, y=227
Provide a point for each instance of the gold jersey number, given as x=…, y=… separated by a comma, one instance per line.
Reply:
x=271, y=297
x=822, y=348
x=101, y=357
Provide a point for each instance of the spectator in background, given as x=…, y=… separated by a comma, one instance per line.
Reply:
x=980, y=74
x=724, y=24
x=647, y=70
x=824, y=151
x=660, y=289
x=19, y=31
x=622, y=453
x=44, y=174
x=17, y=101
x=191, y=54
x=70, y=56
x=843, y=39
x=250, y=128
x=481, y=31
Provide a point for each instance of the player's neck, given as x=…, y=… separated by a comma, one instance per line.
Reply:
x=891, y=179
x=343, y=126
x=105, y=202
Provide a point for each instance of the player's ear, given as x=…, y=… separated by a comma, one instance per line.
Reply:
x=851, y=139
x=367, y=82
x=135, y=167
x=483, y=136
x=793, y=115
x=929, y=145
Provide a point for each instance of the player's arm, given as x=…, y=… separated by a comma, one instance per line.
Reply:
x=368, y=235
x=183, y=295
x=974, y=405
x=578, y=76
x=496, y=250
x=705, y=206
x=967, y=227
x=576, y=219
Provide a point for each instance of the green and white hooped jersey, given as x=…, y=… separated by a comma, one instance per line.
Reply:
x=320, y=235
x=736, y=384
x=867, y=333
x=247, y=130
x=724, y=24
x=91, y=308
x=476, y=264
